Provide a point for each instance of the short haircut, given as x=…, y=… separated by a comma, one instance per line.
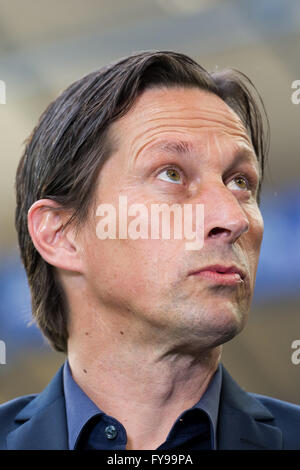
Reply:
x=67, y=148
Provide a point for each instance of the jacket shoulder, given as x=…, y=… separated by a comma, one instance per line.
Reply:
x=286, y=417
x=8, y=412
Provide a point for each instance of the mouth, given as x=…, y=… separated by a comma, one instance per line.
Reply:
x=219, y=274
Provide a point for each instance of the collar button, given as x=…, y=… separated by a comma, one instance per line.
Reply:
x=111, y=432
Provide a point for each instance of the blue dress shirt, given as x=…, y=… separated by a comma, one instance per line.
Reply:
x=90, y=428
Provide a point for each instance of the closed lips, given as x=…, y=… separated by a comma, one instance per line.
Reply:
x=217, y=268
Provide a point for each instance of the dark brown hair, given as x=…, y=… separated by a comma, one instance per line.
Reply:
x=65, y=152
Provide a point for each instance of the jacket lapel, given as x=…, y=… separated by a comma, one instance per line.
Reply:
x=244, y=422
x=42, y=423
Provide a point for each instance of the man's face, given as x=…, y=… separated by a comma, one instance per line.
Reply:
x=178, y=146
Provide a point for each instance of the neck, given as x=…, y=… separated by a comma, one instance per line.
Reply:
x=143, y=385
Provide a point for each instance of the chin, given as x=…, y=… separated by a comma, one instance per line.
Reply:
x=215, y=327
x=226, y=325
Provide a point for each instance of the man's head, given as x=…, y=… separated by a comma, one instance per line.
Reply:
x=156, y=128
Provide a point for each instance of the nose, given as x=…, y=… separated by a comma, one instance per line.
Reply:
x=224, y=217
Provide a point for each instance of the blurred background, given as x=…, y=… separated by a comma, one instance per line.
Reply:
x=44, y=46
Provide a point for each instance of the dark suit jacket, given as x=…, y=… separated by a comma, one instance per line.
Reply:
x=246, y=421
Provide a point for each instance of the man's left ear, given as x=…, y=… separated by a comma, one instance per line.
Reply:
x=58, y=246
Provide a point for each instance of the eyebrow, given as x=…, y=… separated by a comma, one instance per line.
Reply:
x=185, y=148
x=246, y=156
x=178, y=146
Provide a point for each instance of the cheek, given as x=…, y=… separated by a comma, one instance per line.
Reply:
x=137, y=269
x=254, y=236
x=152, y=262
x=134, y=264
x=257, y=228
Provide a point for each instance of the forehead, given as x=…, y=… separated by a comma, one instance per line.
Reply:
x=182, y=105
x=184, y=113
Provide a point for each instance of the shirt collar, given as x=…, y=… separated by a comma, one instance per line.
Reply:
x=210, y=400
x=80, y=408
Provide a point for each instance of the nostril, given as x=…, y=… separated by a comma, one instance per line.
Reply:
x=216, y=231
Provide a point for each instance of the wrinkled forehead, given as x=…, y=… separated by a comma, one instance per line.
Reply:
x=182, y=113
x=204, y=108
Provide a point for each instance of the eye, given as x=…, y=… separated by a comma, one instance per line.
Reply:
x=171, y=175
x=240, y=182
